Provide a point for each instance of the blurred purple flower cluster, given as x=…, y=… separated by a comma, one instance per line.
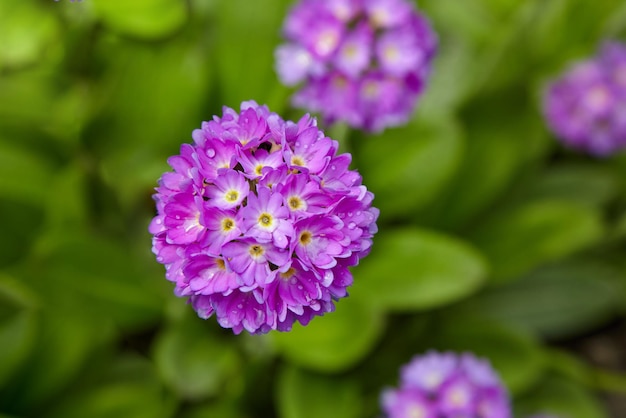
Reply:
x=260, y=220
x=446, y=385
x=364, y=62
x=586, y=107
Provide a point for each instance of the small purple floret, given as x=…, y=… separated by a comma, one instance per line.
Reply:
x=363, y=62
x=260, y=220
x=446, y=385
x=586, y=107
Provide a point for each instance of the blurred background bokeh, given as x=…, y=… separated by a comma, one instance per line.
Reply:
x=493, y=238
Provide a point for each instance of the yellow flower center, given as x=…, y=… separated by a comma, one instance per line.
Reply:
x=220, y=264
x=256, y=250
x=265, y=219
x=296, y=160
x=295, y=203
x=231, y=196
x=306, y=237
x=227, y=224
x=258, y=169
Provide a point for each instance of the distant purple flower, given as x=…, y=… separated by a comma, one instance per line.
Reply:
x=260, y=220
x=364, y=62
x=586, y=107
x=447, y=385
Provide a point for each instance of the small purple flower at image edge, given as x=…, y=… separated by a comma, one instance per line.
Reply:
x=447, y=385
x=585, y=107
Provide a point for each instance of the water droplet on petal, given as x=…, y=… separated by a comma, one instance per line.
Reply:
x=351, y=225
x=240, y=306
x=210, y=153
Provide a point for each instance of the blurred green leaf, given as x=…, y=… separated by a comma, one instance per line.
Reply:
x=556, y=301
x=302, y=394
x=98, y=275
x=450, y=81
x=18, y=326
x=561, y=397
x=520, y=239
x=26, y=30
x=130, y=389
x=20, y=233
x=66, y=205
x=24, y=174
x=334, y=342
x=418, y=161
x=65, y=342
x=193, y=363
x=586, y=185
x=503, y=137
x=148, y=19
x=246, y=71
x=516, y=356
x=413, y=269
x=221, y=410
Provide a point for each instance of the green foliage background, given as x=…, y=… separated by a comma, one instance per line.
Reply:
x=492, y=237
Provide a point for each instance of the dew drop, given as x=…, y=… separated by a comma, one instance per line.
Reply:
x=358, y=213
x=160, y=259
x=210, y=153
x=159, y=221
x=300, y=287
x=350, y=214
x=177, y=216
x=240, y=306
x=332, y=167
x=351, y=225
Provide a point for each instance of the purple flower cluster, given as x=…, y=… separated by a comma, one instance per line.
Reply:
x=260, y=220
x=364, y=62
x=446, y=385
x=586, y=107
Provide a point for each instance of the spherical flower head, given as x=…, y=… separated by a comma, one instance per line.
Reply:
x=447, y=385
x=586, y=106
x=260, y=221
x=363, y=62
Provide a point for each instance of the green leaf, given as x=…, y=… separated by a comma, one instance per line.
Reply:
x=20, y=232
x=522, y=238
x=413, y=269
x=65, y=342
x=302, y=394
x=557, y=301
x=148, y=19
x=561, y=397
x=586, y=185
x=514, y=355
x=502, y=137
x=16, y=339
x=26, y=30
x=97, y=275
x=418, y=161
x=192, y=362
x=24, y=175
x=130, y=389
x=334, y=342
x=247, y=32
